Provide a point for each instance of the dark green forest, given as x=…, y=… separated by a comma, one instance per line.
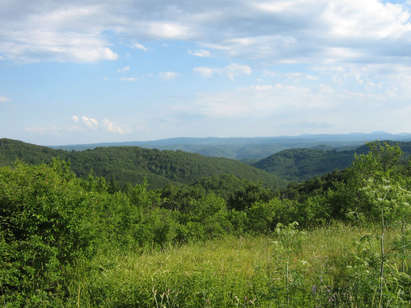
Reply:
x=131, y=165
x=303, y=164
x=128, y=227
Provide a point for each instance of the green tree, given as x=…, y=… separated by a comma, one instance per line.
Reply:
x=41, y=230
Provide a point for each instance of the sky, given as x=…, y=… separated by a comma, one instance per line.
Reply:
x=88, y=71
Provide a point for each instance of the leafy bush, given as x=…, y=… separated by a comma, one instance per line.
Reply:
x=41, y=230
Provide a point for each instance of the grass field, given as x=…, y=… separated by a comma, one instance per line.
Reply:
x=337, y=266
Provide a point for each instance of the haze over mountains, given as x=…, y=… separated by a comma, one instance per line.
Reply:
x=251, y=149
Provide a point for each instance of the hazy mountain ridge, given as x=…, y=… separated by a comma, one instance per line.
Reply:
x=250, y=149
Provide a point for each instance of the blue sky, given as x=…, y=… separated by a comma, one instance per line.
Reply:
x=99, y=71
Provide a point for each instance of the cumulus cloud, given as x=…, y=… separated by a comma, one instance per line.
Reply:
x=167, y=30
x=140, y=46
x=4, y=99
x=230, y=71
x=39, y=37
x=280, y=30
x=202, y=53
x=112, y=128
x=260, y=101
x=205, y=71
x=234, y=70
x=336, y=101
x=94, y=124
x=168, y=75
x=89, y=122
x=53, y=31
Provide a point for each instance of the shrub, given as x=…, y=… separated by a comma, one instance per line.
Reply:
x=41, y=230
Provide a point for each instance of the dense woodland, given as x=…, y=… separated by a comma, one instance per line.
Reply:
x=302, y=164
x=132, y=165
x=251, y=149
x=128, y=227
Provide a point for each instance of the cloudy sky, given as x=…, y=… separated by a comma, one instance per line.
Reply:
x=116, y=70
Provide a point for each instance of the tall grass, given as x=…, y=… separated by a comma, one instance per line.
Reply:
x=337, y=266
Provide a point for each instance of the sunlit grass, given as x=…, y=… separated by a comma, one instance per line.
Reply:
x=230, y=272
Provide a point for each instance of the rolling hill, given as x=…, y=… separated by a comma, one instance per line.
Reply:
x=134, y=164
x=302, y=164
x=250, y=149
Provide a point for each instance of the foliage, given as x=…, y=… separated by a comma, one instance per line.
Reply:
x=65, y=238
x=132, y=165
x=302, y=164
x=335, y=266
x=41, y=229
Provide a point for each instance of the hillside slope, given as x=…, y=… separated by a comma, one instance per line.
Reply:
x=134, y=164
x=302, y=164
x=249, y=149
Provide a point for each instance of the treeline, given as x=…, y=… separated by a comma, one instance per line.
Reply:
x=131, y=165
x=49, y=217
x=304, y=163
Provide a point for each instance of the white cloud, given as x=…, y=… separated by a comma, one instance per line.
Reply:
x=124, y=69
x=56, y=32
x=336, y=102
x=230, y=71
x=4, y=99
x=93, y=124
x=168, y=75
x=204, y=71
x=276, y=6
x=281, y=31
x=261, y=101
x=168, y=30
x=140, y=46
x=89, y=122
x=202, y=53
x=90, y=125
x=234, y=70
x=366, y=19
x=112, y=128
x=130, y=79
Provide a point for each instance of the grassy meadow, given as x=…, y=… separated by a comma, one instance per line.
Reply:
x=334, y=266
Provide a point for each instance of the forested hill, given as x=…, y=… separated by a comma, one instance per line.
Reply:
x=133, y=164
x=302, y=164
x=11, y=150
x=250, y=149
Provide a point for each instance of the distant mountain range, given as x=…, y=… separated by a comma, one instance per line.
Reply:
x=131, y=164
x=251, y=149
